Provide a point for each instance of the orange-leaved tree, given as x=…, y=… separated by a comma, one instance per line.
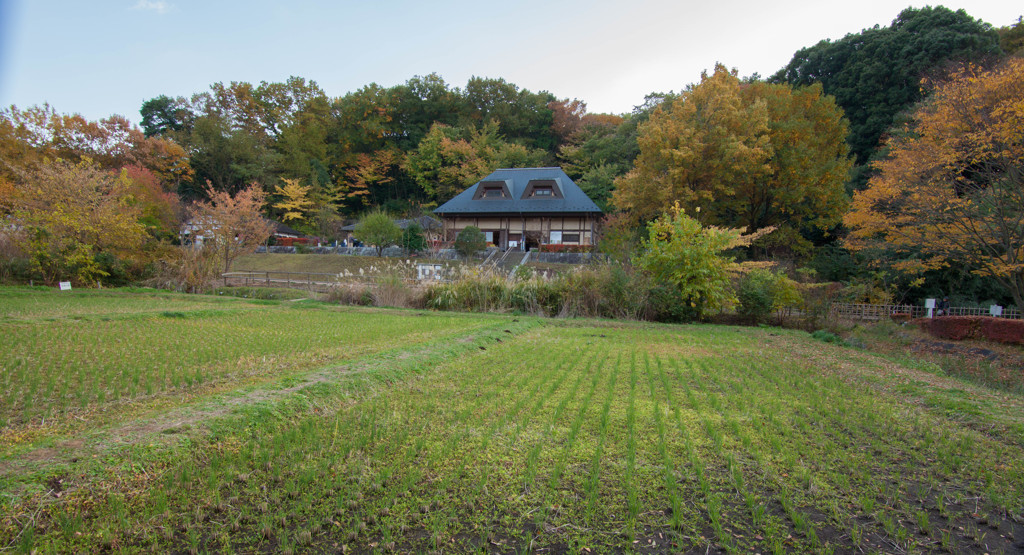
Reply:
x=231, y=225
x=952, y=189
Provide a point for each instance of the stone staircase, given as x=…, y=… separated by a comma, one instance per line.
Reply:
x=512, y=260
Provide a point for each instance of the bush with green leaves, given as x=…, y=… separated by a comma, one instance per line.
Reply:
x=378, y=229
x=683, y=255
x=469, y=241
x=413, y=239
x=761, y=292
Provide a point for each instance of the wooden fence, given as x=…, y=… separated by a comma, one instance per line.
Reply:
x=309, y=281
x=854, y=311
x=304, y=280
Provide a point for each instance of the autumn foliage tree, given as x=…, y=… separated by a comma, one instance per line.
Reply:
x=231, y=225
x=748, y=155
x=295, y=201
x=952, y=189
x=72, y=213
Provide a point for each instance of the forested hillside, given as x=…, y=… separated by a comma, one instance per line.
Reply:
x=787, y=153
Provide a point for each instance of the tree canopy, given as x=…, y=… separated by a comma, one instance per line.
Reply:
x=71, y=214
x=378, y=229
x=952, y=188
x=874, y=74
x=741, y=155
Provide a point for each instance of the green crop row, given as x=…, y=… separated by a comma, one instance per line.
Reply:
x=579, y=437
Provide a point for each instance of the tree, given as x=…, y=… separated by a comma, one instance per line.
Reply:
x=27, y=136
x=295, y=200
x=681, y=253
x=761, y=291
x=413, y=239
x=808, y=165
x=449, y=159
x=231, y=225
x=696, y=148
x=523, y=116
x=71, y=213
x=444, y=163
x=952, y=189
x=327, y=222
x=874, y=74
x=378, y=229
x=1011, y=37
x=163, y=115
x=751, y=155
x=469, y=241
x=602, y=149
x=370, y=181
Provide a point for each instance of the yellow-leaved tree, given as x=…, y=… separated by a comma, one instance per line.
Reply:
x=294, y=201
x=952, y=188
x=749, y=155
x=70, y=213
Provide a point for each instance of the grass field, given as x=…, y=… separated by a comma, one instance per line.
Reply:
x=300, y=427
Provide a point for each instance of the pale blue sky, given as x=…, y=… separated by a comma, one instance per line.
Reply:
x=103, y=57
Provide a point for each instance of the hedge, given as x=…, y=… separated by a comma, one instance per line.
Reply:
x=956, y=328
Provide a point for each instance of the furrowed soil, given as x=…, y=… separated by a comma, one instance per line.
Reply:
x=304, y=427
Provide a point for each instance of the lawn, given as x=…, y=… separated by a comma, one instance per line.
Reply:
x=457, y=433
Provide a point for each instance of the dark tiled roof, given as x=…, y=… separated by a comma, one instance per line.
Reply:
x=426, y=223
x=281, y=229
x=516, y=180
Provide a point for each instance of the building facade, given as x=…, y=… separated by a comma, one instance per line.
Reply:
x=524, y=208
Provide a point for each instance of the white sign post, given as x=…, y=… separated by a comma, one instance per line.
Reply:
x=65, y=286
x=930, y=305
x=995, y=310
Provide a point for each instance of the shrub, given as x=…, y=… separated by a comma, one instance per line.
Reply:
x=974, y=327
x=951, y=327
x=564, y=248
x=828, y=337
x=412, y=238
x=682, y=253
x=351, y=294
x=756, y=293
x=1003, y=330
x=760, y=292
x=608, y=291
x=668, y=305
x=469, y=241
x=378, y=229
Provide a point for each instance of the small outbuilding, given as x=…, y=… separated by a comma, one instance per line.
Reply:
x=524, y=208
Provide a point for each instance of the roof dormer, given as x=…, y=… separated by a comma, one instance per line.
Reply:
x=542, y=189
x=492, y=190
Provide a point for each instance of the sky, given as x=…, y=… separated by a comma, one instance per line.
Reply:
x=104, y=57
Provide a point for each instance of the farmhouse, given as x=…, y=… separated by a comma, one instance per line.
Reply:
x=524, y=209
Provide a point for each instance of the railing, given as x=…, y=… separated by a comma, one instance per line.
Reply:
x=308, y=280
x=856, y=311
